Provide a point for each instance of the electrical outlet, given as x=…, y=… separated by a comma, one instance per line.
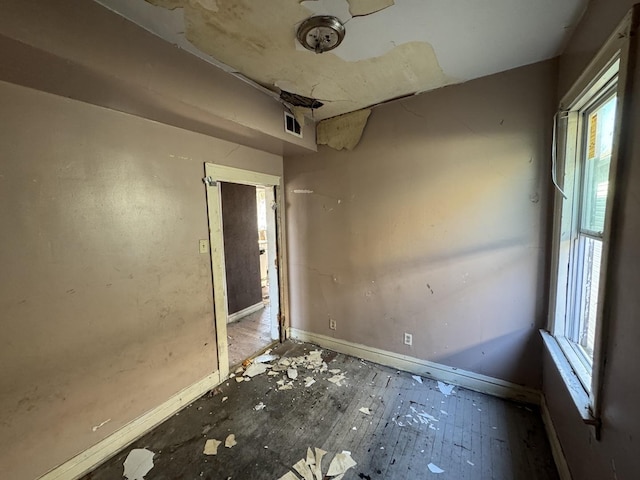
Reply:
x=332, y=324
x=408, y=339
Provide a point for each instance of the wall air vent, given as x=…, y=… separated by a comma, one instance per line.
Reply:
x=291, y=125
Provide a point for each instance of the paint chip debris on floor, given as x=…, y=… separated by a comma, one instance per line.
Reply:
x=337, y=418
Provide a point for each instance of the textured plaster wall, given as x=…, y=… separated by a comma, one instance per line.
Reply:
x=435, y=224
x=615, y=456
x=106, y=306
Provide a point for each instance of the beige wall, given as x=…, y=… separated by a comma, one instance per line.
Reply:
x=434, y=225
x=106, y=305
x=615, y=456
x=81, y=50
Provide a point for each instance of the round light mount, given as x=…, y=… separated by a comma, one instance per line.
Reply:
x=321, y=33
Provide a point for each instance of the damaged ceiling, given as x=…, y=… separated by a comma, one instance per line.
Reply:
x=391, y=48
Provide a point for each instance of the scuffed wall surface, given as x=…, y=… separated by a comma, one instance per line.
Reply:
x=434, y=225
x=616, y=454
x=106, y=304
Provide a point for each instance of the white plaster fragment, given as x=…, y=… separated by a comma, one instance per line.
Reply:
x=97, y=427
x=417, y=378
x=289, y=476
x=239, y=379
x=292, y=373
x=340, y=464
x=303, y=469
x=434, y=468
x=224, y=399
x=230, y=441
x=334, y=371
x=259, y=406
x=443, y=412
x=138, y=463
x=272, y=373
x=337, y=379
x=311, y=458
x=317, y=470
x=302, y=190
x=365, y=410
x=265, y=357
x=445, y=389
x=256, y=369
x=471, y=463
x=211, y=446
x=309, y=381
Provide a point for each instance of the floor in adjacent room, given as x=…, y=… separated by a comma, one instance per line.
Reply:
x=249, y=335
x=393, y=426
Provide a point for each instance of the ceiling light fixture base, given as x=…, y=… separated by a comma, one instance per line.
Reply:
x=321, y=33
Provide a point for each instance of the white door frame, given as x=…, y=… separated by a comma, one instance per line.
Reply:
x=214, y=175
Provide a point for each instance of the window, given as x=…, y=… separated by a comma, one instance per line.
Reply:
x=590, y=127
x=587, y=148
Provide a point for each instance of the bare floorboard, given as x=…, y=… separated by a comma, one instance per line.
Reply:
x=248, y=335
x=469, y=436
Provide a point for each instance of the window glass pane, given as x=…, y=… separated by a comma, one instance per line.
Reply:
x=591, y=253
x=599, y=143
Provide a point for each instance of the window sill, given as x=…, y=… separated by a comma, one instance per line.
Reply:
x=577, y=392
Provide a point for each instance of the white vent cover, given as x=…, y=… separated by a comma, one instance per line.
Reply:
x=291, y=125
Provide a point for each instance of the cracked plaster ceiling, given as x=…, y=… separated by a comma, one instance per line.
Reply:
x=391, y=49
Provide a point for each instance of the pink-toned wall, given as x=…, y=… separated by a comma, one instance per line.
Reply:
x=615, y=456
x=106, y=306
x=435, y=224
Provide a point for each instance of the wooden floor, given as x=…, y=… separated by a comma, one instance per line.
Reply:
x=249, y=335
x=469, y=435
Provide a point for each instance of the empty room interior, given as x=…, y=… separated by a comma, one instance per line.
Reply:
x=319, y=239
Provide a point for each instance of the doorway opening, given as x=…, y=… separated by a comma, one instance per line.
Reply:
x=246, y=252
x=244, y=235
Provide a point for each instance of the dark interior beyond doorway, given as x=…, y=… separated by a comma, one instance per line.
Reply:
x=241, y=251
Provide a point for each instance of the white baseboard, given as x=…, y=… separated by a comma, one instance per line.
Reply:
x=554, y=441
x=88, y=460
x=462, y=378
x=244, y=312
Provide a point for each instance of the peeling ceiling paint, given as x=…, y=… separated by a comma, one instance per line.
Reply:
x=391, y=49
x=343, y=131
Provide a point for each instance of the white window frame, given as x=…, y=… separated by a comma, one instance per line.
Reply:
x=607, y=74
